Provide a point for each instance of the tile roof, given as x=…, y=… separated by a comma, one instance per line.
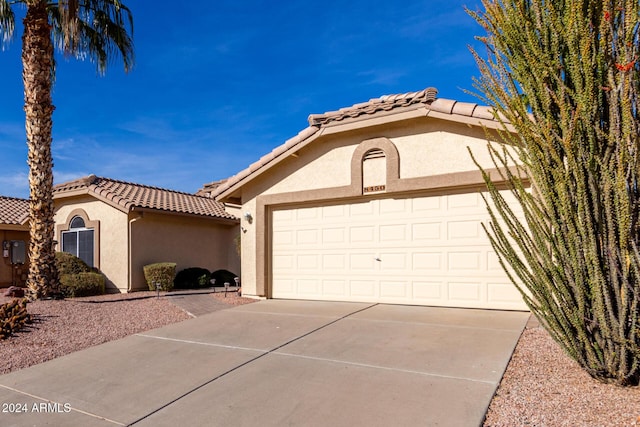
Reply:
x=376, y=105
x=13, y=211
x=209, y=188
x=385, y=105
x=128, y=196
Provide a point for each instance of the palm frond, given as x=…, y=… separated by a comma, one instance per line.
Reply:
x=7, y=22
x=99, y=30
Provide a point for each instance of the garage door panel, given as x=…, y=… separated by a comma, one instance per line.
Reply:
x=393, y=289
x=362, y=234
x=331, y=262
x=334, y=235
x=307, y=237
x=464, y=291
x=335, y=211
x=363, y=288
x=307, y=262
x=360, y=209
x=283, y=262
x=308, y=287
x=392, y=261
x=334, y=287
x=393, y=233
x=393, y=206
x=463, y=261
x=283, y=239
x=427, y=261
x=466, y=202
x=286, y=287
x=502, y=292
x=362, y=261
x=468, y=230
x=305, y=214
x=432, y=292
x=426, y=231
x=433, y=203
x=428, y=250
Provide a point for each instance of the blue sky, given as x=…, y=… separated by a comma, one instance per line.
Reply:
x=215, y=88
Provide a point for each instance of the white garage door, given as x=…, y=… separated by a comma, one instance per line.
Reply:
x=423, y=250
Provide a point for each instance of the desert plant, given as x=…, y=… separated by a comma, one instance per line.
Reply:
x=222, y=276
x=190, y=278
x=160, y=274
x=13, y=317
x=82, y=284
x=566, y=77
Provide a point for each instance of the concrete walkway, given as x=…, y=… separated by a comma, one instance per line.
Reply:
x=198, y=303
x=274, y=363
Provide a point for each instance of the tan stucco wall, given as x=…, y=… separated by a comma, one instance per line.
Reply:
x=113, y=231
x=10, y=274
x=187, y=241
x=426, y=147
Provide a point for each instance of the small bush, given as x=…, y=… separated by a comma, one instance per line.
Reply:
x=70, y=264
x=222, y=276
x=82, y=284
x=191, y=278
x=161, y=273
x=13, y=316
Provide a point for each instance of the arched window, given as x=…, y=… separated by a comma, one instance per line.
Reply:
x=77, y=222
x=79, y=240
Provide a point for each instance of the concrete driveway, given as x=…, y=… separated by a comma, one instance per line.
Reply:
x=276, y=363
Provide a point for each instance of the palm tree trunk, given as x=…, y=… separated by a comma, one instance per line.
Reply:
x=37, y=59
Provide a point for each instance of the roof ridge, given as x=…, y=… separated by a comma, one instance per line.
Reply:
x=151, y=187
x=384, y=102
x=20, y=199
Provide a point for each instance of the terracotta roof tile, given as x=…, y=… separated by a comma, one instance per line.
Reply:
x=206, y=189
x=13, y=211
x=387, y=104
x=384, y=103
x=129, y=195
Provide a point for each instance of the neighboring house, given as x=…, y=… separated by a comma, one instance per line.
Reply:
x=378, y=202
x=14, y=237
x=119, y=227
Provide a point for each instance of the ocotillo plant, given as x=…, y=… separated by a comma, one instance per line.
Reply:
x=563, y=77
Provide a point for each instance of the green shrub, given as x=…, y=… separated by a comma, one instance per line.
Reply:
x=82, y=284
x=161, y=273
x=70, y=264
x=222, y=276
x=190, y=278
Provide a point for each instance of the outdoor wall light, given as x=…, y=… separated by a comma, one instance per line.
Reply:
x=248, y=217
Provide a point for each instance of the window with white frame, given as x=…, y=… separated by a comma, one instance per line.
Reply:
x=78, y=240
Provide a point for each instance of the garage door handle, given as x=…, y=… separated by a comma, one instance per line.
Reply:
x=378, y=259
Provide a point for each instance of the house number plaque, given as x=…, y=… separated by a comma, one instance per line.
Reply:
x=374, y=188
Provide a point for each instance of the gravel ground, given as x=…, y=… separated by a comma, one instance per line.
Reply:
x=541, y=386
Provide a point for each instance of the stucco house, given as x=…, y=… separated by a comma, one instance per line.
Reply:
x=377, y=202
x=120, y=226
x=14, y=237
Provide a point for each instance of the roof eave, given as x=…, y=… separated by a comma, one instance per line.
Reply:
x=15, y=227
x=90, y=192
x=277, y=155
x=186, y=214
